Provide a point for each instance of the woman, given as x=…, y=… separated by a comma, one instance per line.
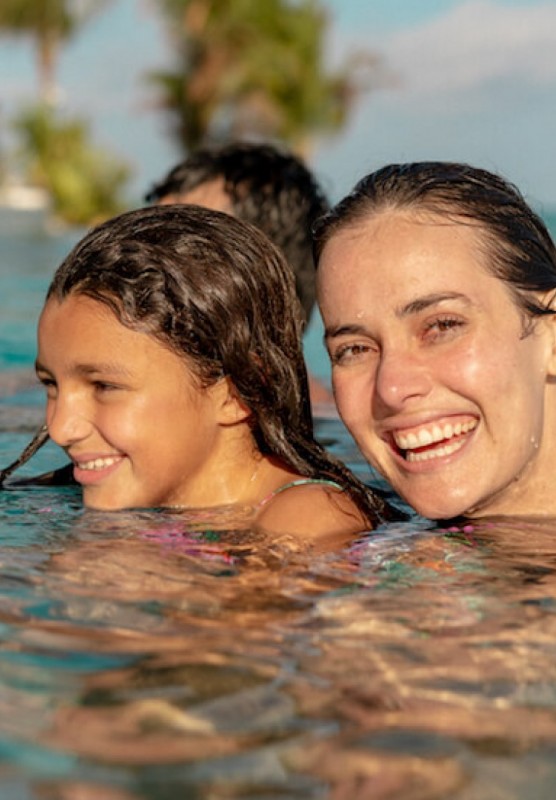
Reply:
x=170, y=351
x=436, y=283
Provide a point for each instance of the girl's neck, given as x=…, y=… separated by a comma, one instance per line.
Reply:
x=236, y=473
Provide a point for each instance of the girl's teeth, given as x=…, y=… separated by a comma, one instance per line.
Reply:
x=98, y=463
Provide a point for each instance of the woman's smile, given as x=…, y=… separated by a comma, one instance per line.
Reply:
x=431, y=366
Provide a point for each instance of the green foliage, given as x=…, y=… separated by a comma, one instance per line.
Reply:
x=243, y=68
x=84, y=183
x=48, y=23
x=255, y=68
x=41, y=16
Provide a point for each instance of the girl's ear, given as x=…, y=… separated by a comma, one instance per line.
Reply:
x=230, y=408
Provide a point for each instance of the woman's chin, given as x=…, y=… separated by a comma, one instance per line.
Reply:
x=438, y=508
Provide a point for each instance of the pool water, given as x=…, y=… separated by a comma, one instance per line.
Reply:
x=177, y=655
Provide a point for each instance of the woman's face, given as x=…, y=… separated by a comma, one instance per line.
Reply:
x=128, y=411
x=433, y=373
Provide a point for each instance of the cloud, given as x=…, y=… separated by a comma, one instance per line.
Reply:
x=478, y=43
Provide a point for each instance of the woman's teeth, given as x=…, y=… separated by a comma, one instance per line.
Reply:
x=426, y=436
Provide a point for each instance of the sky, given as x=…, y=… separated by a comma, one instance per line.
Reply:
x=465, y=80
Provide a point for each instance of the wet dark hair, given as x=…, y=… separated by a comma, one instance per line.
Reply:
x=516, y=244
x=268, y=187
x=215, y=291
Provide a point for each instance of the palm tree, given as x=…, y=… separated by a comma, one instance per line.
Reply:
x=84, y=183
x=49, y=23
x=256, y=68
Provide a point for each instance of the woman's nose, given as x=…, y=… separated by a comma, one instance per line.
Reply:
x=402, y=377
x=67, y=420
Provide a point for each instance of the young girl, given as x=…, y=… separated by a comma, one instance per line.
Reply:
x=170, y=350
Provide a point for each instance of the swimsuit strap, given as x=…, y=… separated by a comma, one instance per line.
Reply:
x=298, y=482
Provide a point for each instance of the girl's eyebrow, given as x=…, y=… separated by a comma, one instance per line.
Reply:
x=102, y=367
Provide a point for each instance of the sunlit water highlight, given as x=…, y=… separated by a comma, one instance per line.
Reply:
x=162, y=656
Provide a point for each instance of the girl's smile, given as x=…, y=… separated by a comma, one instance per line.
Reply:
x=128, y=411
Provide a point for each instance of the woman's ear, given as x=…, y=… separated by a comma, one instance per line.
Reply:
x=549, y=320
x=230, y=408
x=551, y=323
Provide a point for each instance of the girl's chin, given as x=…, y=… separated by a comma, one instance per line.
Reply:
x=99, y=501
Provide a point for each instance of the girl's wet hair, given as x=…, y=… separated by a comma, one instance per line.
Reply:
x=516, y=244
x=215, y=291
x=38, y=440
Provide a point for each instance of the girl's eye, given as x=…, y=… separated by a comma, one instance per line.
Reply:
x=349, y=353
x=102, y=386
x=48, y=383
x=442, y=327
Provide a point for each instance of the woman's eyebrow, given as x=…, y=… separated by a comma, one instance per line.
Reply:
x=413, y=307
x=428, y=300
x=345, y=330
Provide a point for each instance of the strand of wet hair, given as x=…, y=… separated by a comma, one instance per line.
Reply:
x=38, y=440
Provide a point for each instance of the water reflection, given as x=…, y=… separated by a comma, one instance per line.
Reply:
x=147, y=655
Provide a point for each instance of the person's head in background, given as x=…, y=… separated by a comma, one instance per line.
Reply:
x=437, y=285
x=262, y=184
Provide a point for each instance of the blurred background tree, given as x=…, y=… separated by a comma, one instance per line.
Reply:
x=49, y=23
x=243, y=69
x=256, y=68
x=84, y=183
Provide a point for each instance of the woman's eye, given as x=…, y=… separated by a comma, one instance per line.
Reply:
x=443, y=326
x=347, y=354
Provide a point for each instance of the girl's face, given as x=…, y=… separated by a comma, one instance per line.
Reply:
x=433, y=374
x=128, y=411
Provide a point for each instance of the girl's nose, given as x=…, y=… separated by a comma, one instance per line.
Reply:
x=401, y=378
x=67, y=420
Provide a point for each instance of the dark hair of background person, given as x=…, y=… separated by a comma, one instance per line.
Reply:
x=214, y=290
x=268, y=187
x=518, y=247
